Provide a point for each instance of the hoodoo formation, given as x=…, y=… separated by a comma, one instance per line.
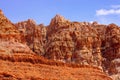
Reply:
x=63, y=50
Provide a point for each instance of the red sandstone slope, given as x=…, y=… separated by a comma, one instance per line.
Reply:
x=34, y=35
x=76, y=42
x=86, y=47
x=10, y=39
x=32, y=67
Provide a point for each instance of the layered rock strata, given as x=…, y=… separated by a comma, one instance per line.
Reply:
x=82, y=43
x=76, y=42
x=10, y=38
x=34, y=35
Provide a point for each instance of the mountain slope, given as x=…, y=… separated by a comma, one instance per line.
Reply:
x=92, y=49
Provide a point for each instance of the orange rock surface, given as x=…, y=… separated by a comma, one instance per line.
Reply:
x=34, y=35
x=32, y=67
x=10, y=38
x=63, y=50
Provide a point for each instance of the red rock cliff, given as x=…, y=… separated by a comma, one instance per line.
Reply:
x=34, y=35
x=10, y=38
x=75, y=42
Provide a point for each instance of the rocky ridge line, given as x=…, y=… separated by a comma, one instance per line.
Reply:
x=79, y=43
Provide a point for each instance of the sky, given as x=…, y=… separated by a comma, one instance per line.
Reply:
x=42, y=11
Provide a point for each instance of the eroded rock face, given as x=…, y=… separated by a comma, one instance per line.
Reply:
x=10, y=38
x=33, y=34
x=112, y=49
x=75, y=42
